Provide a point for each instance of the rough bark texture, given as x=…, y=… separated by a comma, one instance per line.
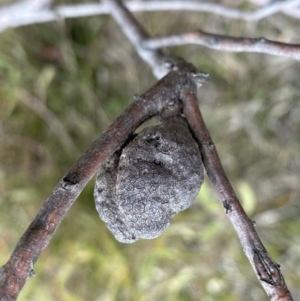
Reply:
x=155, y=176
x=162, y=98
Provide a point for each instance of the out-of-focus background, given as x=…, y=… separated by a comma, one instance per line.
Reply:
x=62, y=83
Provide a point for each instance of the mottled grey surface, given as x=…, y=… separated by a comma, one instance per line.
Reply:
x=159, y=173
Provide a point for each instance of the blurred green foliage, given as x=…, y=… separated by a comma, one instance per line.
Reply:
x=63, y=83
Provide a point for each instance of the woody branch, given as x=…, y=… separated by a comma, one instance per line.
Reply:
x=27, y=12
x=160, y=97
x=13, y=275
x=267, y=271
x=226, y=43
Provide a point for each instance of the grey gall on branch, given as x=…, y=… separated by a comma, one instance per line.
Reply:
x=267, y=271
x=146, y=183
x=178, y=88
x=175, y=90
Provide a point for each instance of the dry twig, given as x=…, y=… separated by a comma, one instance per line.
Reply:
x=28, y=12
x=226, y=43
x=178, y=84
x=136, y=34
x=163, y=95
x=267, y=271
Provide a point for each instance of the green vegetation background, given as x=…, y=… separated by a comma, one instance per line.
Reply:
x=63, y=83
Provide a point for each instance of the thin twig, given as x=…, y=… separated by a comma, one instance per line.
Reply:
x=162, y=96
x=267, y=271
x=226, y=43
x=25, y=12
x=136, y=34
x=15, y=15
x=196, y=6
x=295, y=13
x=213, y=8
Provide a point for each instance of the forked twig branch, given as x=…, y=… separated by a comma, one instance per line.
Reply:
x=178, y=84
x=28, y=12
x=136, y=34
x=162, y=96
x=266, y=269
x=143, y=44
